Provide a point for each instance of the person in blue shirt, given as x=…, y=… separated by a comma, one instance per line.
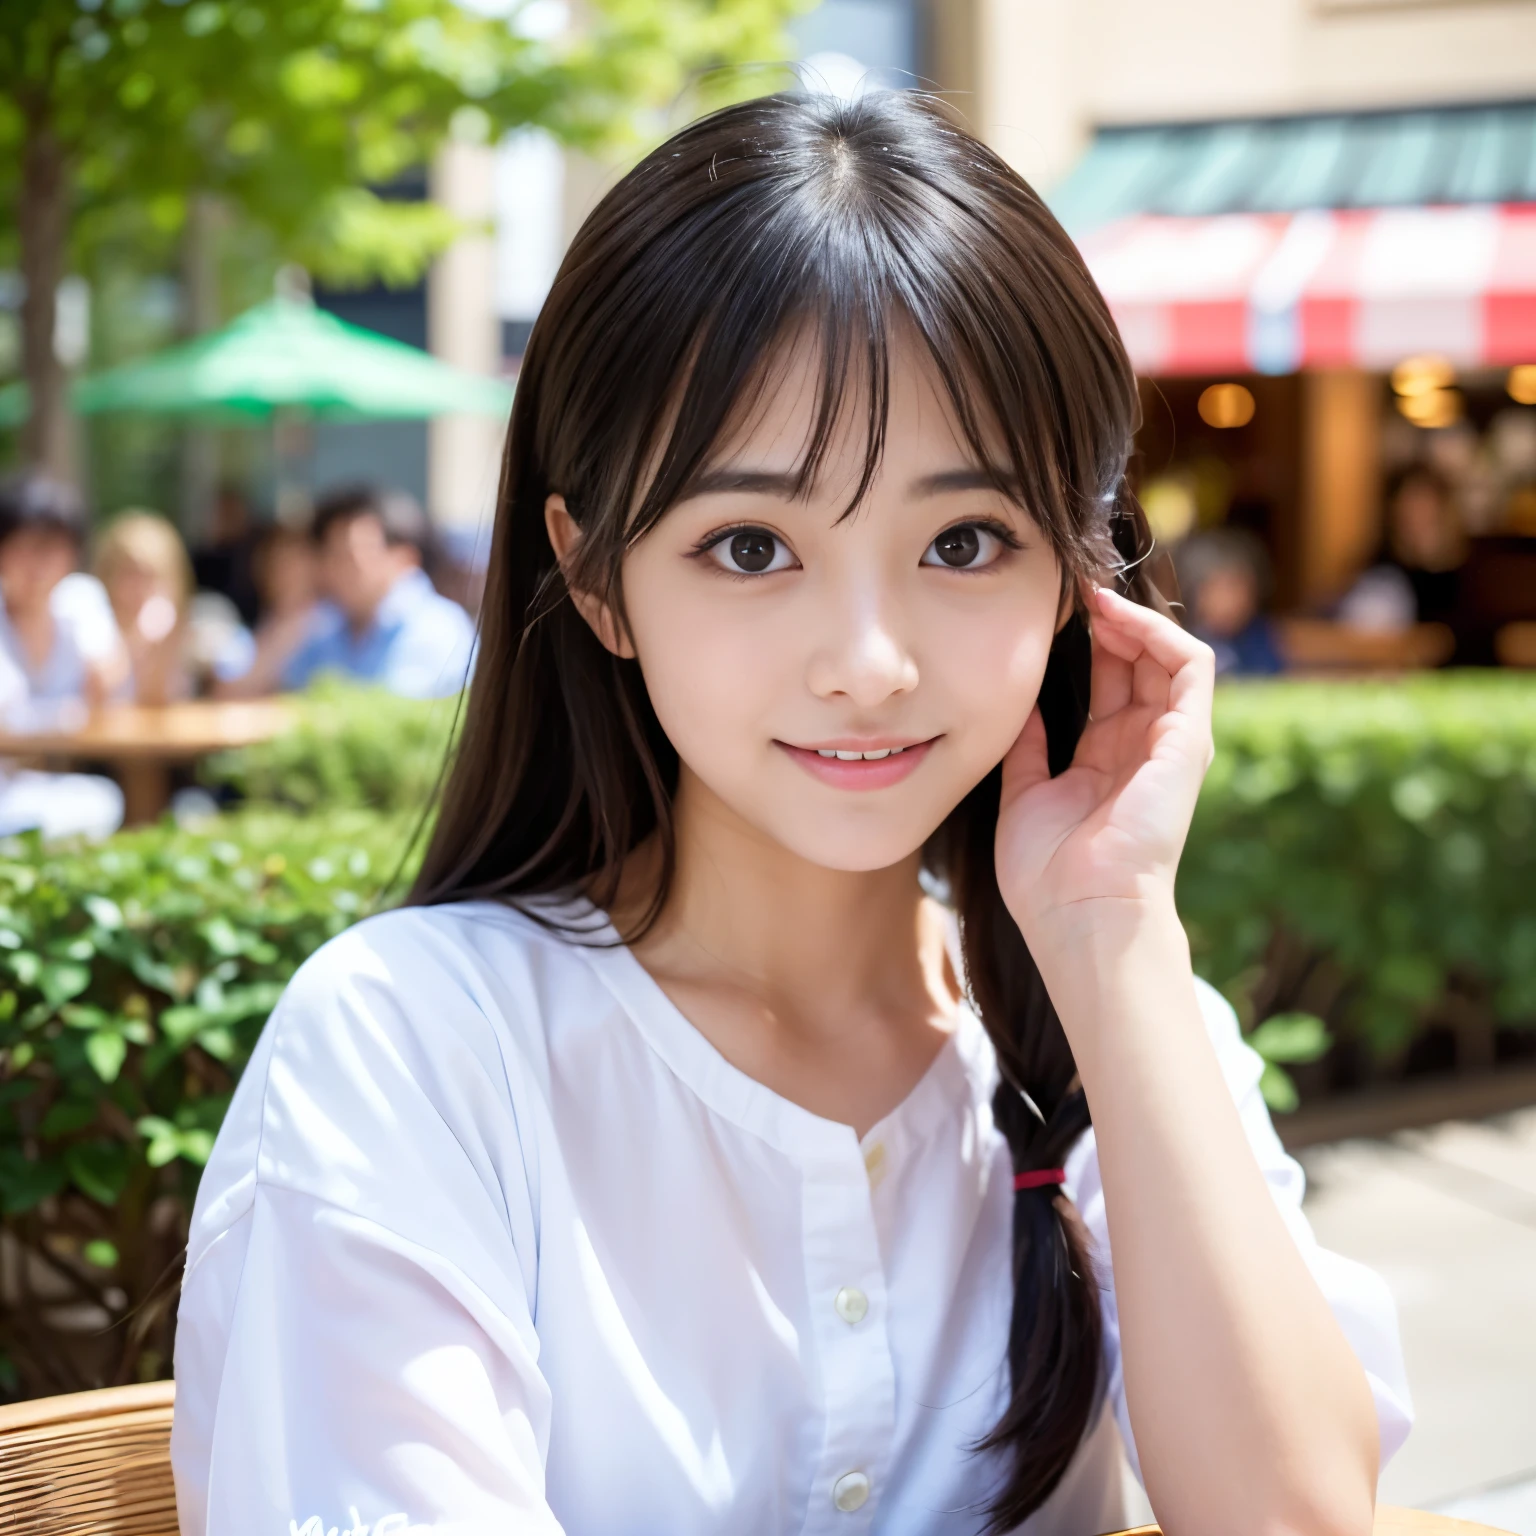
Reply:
x=1224, y=580
x=382, y=621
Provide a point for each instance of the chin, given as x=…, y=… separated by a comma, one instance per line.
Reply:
x=845, y=845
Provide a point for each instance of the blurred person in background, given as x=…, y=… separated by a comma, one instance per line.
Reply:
x=288, y=582
x=143, y=565
x=226, y=561
x=60, y=654
x=1416, y=576
x=383, y=621
x=60, y=649
x=178, y=639
x=1224, y=578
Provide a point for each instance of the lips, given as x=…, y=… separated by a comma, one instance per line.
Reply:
x=846, y=765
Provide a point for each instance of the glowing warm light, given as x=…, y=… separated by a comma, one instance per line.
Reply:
x=1432, y=408
x=1226, y=405
x=1422, y=376
x=1170, y=507
x=1522, y=384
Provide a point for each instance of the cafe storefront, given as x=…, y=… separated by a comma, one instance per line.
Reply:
x=1316, y=305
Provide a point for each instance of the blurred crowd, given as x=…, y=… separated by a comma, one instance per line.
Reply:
x=133, y=616
x=1415, y=577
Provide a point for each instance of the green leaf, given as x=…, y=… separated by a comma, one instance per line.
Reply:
x=104, y=912
x=100, y=1253
x=66, y=1117
x=25, y=1183
x=99, y=1169
x=106, y=1051
x=1293, y=1037
x=181, y=1024
x=61, y=980
x=222, y=937
x=1278, y=1089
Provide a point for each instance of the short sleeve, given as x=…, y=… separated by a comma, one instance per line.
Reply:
x=1358, y=1297
x=355, y=1345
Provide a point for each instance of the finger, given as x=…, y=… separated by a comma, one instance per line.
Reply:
x=1143, y=632
x=1028, y=761
x=1110, y=681
x=1151, y=685
x=1134, y=628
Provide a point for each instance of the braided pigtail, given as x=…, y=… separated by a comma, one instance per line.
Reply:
x=1054, y=1344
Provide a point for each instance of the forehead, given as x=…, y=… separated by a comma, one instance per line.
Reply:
x=40, y=538
x=795, y=407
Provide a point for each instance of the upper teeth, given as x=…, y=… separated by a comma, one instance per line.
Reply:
x=854, y=757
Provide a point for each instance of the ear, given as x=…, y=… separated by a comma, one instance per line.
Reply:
x=564, y=536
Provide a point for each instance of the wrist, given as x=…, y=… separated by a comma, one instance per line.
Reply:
x=1113, y=968
x=1141, y=904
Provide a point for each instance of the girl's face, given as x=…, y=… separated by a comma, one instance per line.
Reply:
x=777, y=637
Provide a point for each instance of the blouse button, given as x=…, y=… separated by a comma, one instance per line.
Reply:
x=850, y=1491
x=852, y=1305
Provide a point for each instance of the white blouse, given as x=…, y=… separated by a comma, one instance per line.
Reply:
x=493, y=1241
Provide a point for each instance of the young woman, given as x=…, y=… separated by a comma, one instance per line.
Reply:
x=706, y=1148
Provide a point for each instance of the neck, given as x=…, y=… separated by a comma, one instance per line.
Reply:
x=818, y=943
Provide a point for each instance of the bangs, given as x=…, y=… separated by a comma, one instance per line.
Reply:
x=845, y=238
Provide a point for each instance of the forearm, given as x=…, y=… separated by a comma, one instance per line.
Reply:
x=1249, y=1408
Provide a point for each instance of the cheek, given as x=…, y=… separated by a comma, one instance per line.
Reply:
x=989, y=661
x=712, y=668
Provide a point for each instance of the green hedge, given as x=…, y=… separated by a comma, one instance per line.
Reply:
x=352, y=746
x=134, y=980
x=1363, y=857
x=1367, y=851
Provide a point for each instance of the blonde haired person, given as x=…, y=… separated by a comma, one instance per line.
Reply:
x=143, y=564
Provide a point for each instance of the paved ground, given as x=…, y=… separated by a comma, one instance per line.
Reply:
x=1448, y=1218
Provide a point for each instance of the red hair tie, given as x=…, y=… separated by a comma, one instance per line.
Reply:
x=1038, y=1177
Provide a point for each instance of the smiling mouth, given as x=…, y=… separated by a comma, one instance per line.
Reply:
x=874, y=755
x=873, y=767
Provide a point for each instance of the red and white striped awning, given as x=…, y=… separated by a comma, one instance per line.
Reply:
x=1273, y=293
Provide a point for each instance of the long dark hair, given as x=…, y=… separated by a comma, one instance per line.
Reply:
x=784, y=217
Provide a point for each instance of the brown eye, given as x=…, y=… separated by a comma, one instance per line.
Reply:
x=751, y=552
x=957, y=546
x=965, y=547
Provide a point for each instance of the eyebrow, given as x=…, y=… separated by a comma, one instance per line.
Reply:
x=974, y=477
x=726, y=480
x=752, y=482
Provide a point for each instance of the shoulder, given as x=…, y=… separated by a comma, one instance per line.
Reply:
x=482, y=971
x=440, y=615
x=79, y=593
x=80, y=606
x=409, y=1053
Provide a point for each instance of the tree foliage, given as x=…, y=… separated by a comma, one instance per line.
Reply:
x=292, y=111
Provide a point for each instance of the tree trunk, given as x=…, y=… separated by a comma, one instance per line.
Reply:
x=44, y=219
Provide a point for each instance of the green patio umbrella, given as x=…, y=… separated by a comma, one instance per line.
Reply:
x=285, y=356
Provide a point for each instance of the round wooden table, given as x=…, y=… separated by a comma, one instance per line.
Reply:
x=142, y=742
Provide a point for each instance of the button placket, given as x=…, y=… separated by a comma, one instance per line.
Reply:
x=845, y=1274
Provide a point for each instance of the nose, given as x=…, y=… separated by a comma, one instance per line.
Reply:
x=863, y=656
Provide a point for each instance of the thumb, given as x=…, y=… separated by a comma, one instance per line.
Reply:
x=1027, y=763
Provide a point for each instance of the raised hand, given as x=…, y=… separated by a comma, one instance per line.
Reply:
x=1110, y=829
